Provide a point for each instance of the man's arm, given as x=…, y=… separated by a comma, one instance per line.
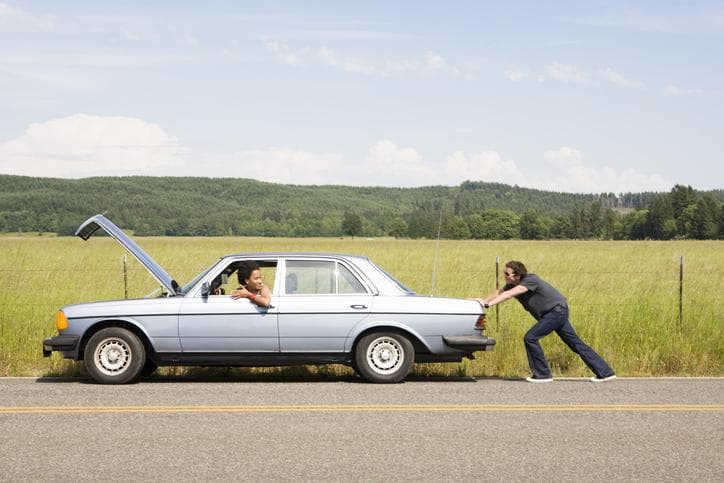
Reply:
x=482, y=301
x=500, y=296
x=508, y=294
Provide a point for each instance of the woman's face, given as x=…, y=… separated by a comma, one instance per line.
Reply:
x=254, y=283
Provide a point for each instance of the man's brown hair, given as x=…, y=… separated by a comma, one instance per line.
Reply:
x=518, y=268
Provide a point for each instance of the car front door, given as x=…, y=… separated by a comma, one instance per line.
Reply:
x=217, y=323
x=320, y=302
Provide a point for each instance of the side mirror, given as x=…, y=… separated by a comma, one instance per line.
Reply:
x=205, y=289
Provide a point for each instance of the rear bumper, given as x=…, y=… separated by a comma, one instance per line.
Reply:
x=470, y=343
x=61, y=343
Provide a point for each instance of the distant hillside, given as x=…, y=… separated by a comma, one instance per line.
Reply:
x=224, y=206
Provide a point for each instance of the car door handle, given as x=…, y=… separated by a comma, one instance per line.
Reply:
x=358, y=306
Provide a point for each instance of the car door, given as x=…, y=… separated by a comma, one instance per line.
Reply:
x=218, y=323
x=321, y=300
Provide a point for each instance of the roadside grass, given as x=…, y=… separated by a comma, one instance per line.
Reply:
x=623, y=297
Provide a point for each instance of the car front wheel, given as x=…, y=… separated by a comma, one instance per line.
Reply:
x=384, y=357
x=114, y=356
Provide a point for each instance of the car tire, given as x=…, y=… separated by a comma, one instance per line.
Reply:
x=384, y=357
x=114, y=356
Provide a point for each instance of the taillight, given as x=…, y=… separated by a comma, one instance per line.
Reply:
x=61, y=321
x=480, y=324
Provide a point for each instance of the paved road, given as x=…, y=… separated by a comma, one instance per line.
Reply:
x=430, y=430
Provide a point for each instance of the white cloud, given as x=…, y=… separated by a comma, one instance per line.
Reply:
x=431, y=61
x=571, y=174
x=388, y=164
x=6, y=11
x=280, y=165
x=286, y=54
x=665, y=17
x=515, y=75
x=486, y=166
x=350, y=64
x=618, y=79
x=85, y=145
x=13, y=19
x=681, y=91
x=566, y=73
x=385, y=164
x=128, y=35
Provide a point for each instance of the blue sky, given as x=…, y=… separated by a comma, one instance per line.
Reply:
x=574, y=96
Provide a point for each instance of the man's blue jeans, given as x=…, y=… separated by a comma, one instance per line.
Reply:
x=557, y=320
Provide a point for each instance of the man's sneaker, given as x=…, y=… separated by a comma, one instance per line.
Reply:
x=603, y=379
x=539, y=379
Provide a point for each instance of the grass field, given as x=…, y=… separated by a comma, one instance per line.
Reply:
x=624, y=296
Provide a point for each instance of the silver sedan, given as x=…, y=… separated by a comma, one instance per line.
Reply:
x=300, y=308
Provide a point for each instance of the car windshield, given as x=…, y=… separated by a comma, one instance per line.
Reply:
x=183, y=290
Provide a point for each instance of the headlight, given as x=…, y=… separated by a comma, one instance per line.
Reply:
x=61, y=321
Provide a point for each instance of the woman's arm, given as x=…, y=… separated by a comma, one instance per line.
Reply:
x=263, y=299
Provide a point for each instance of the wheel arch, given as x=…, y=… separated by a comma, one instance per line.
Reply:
x=125, y=324
x=417, y=343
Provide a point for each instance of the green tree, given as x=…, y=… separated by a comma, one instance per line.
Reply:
x=706, y=219
x=660, y=223
x=495, y=224
x=351, y=224
x=531, y=227
x=423, y=223
x=397, y=228
x=634, y=225
x=681, y=198
x=454, y=227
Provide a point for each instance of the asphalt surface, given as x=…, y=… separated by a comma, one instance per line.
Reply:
x=422, y=430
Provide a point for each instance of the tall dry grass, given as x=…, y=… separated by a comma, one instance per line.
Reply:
x=623, y=295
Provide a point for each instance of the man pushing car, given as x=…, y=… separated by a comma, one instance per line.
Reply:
x=550, y=309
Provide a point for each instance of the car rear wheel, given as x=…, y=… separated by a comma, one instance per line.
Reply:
x=114, y=356
x=384, y=357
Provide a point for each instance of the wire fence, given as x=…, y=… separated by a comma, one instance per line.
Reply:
x=670, y=283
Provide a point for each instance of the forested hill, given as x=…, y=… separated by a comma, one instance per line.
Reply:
x=224, y=206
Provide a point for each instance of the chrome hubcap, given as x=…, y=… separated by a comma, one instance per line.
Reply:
x=385, y=355
x=113, y=356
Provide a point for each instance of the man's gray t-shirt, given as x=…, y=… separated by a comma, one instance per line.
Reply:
x=540, y=297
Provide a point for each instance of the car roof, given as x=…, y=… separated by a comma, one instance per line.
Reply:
x=296, y=254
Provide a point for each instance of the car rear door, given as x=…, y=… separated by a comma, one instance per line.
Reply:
x=321, y=300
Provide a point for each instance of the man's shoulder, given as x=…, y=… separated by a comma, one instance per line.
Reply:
x=531, y=278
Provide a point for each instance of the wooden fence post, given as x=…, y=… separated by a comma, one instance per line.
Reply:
x=497, y=287
x=125, y=275
x=681, y=291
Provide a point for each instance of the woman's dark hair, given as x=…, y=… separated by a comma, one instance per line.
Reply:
x=518, y=268
x=244, y=270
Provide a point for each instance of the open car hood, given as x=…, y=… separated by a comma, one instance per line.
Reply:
x=88, y=227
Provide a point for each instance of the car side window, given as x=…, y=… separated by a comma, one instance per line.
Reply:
x=227, y=281
x=347, y=282
x=320, y=277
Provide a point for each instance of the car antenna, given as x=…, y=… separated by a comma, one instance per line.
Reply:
x=437, y=249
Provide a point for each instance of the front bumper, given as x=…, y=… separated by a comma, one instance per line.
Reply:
x=61, y=343
x=470, y=343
